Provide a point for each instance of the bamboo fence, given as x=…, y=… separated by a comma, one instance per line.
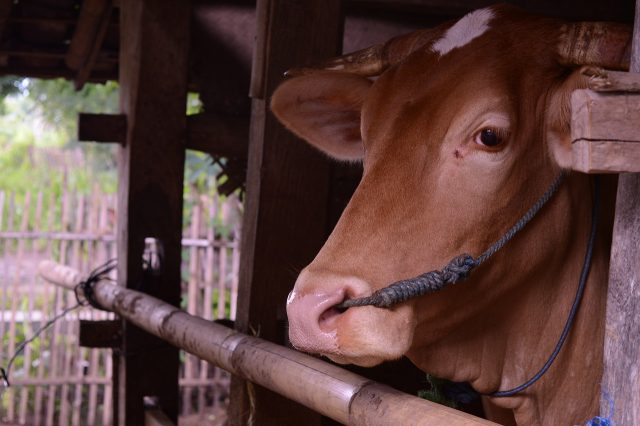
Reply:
x=56, y=382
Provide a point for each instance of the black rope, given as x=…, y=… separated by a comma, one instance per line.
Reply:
x=584, y=274
x=85, y=292
x=455, y=271
x=6, y=372
x=84, y=296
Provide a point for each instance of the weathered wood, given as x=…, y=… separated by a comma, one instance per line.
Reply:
x=285, y=217
x=102, y=127
x=605, y=130
x=330, y=390
x=100, y=334
x=154, y=48
x=94, y=53
x=155, y=417
x=222, y=136
x=599, y=156
x=620, y=398
x=616, y=81
x=5, y=11
x=87, y=39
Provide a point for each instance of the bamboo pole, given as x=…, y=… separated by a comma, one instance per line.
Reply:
x=325, y=388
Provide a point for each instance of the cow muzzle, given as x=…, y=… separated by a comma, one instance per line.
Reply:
x=365, y=336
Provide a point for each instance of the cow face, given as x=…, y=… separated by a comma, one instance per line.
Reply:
x=458, y=139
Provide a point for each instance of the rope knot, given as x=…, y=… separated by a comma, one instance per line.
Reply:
x=458, y=268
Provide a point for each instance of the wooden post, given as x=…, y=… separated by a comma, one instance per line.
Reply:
x=154, y=46
x=286, y=210
x=620, y=398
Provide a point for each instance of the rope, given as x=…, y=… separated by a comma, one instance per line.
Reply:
x=86, y=288
x=584, y=274
x=84, y=291
x=460, y=266
x=455, y=271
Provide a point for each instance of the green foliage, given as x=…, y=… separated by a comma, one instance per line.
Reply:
x=38, y=136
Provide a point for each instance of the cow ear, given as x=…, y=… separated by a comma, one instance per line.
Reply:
x=324, y=109
x=558, y=114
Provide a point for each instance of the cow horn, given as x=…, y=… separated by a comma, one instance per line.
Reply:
x=603, y=44
x=374, y=60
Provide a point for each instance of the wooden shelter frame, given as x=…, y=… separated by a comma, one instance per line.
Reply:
x=293, y=194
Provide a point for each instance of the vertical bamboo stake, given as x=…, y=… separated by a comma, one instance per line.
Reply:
x=222, y=265
x=3, y=296
x=107, y=227
x=16, y=292
x=77, y=362
x=56, y=347
x=107, y=409
x=192, y=303
x=207, y=299
x=97, y=253
x=76, y=355
x=28, y=330
x=46, y=308
x=235, y=266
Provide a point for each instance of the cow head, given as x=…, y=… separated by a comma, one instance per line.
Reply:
x=462, y=129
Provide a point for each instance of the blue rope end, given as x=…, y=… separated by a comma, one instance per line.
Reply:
x=600, y=421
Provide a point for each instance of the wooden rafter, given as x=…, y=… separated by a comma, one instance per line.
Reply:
x=87, y=39
x=5, y=11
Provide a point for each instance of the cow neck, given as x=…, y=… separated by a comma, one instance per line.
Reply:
x=460, y=267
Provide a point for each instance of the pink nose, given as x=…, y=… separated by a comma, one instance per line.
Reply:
x=312, y=320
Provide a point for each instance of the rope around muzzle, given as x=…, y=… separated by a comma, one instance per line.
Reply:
x=453, y=272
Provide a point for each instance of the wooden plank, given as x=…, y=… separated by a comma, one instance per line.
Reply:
x=285, y=218
x=616, y=81
x=102, y=127
x=605, y=116
x=620, y=399
x=223, y=136
x=154, y=48
x=605, y=130
x=100, y=333
x=599, y=156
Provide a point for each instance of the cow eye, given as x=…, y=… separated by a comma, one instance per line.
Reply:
x=488, y=137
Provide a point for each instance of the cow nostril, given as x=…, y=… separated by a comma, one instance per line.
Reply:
x=328, y=318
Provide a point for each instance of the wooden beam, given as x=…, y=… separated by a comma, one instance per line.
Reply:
x=93, y=21
x=285, y=218
x=605, y=126
x=620, y=398
x=102, y=127
x=5, y=12
x=100, y=334
x=154, y=48
x=211, y=133
x=221, y=136
x=52, y=53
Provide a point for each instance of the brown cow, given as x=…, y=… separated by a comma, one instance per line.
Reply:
x=464, y=129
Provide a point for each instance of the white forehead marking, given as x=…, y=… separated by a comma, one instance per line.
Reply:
x=462, y=32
